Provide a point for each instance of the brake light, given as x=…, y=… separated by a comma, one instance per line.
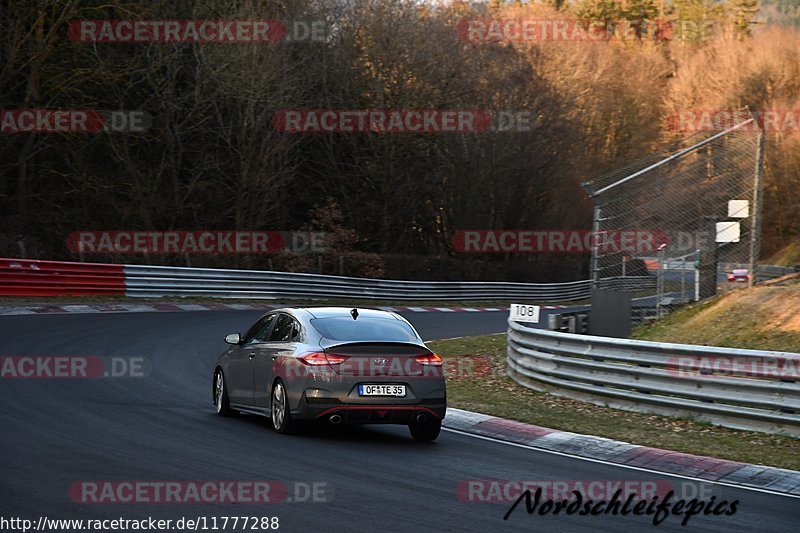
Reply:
x=429, y=360
x=321, y=358
x=335, y=359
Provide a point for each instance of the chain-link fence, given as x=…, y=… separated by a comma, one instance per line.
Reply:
x=664, y=223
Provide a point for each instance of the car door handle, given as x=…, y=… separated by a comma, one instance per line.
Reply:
x=251, y=355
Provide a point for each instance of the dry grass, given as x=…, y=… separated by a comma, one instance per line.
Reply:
x=762, y=318
x=787, y=256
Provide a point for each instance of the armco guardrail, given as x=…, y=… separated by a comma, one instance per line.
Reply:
x=627, y=283
x=23, y=277
x=153, y=281
x=745, y=389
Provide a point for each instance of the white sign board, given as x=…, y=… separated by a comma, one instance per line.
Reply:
x=525, y=313
x=738, y=208
x=728, y=232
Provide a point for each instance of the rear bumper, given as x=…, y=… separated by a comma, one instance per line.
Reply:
x=320, y=397
x=371, y=413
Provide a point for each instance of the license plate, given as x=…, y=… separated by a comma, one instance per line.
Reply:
x=382, y=390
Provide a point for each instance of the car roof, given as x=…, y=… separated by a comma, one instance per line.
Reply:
x=308, y=314
x=328, y=312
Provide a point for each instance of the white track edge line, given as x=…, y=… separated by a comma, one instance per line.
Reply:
x=630, y=467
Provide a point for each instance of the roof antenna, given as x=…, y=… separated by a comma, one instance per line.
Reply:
x=354, y=313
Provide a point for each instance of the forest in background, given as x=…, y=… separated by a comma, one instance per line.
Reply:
x=391, y=202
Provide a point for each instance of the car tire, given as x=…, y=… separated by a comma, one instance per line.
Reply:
x=221, y=400
x=427, y=431
x=279, y=410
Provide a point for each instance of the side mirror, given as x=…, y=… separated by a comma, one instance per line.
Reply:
x=233, y=338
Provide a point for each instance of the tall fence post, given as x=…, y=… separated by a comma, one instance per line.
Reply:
x=660, y=280
x=755, y=215
x=595, y=247
x=697, y=263
x=709, y=260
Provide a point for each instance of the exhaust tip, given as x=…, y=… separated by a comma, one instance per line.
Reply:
x=335, y=418
x=421, y=418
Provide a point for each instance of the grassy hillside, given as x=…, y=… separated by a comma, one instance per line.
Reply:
x=765, y=318
x=788, y=256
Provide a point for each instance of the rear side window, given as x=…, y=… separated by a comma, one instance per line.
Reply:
x=285, y=329
x=365, y=329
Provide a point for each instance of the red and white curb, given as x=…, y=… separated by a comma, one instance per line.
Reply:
x=173, y=307
x=622, y=453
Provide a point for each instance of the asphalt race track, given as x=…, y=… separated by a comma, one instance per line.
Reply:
x=56, y=432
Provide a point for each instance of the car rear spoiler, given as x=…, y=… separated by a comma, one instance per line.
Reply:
x=328, y=344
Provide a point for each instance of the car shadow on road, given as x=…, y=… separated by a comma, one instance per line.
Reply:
x=387, y=434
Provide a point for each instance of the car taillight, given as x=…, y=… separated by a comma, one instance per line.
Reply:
x=322, y=358
x=429, y=360
x=335, y=359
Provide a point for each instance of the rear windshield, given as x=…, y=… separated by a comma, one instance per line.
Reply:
x=341, y=328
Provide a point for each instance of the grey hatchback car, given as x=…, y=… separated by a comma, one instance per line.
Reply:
x=335, y=365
